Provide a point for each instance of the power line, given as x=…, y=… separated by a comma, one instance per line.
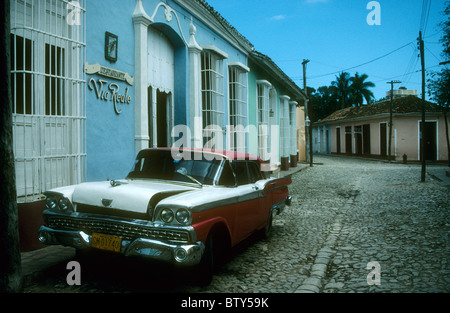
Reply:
x=362, y=64
x=410, y=73
x=433, y=54
x=426, y=6
x=411, y=65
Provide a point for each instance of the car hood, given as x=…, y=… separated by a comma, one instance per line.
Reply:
x=128, y=195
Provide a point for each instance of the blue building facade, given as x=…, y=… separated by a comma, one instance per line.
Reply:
x=177, y=60
x=109, y=123
x=95, y=81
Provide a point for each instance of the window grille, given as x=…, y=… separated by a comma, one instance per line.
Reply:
x=212, y=93
x=263, y=120
x=238, y=107
x=48, y=91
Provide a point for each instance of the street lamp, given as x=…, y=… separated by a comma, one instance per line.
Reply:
x=307, y=121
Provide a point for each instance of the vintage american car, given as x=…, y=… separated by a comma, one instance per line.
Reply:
x=183, y=206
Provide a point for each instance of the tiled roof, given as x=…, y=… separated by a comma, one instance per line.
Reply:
x=225, y=23
x=402, y=105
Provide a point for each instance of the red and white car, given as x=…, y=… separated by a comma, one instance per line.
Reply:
x=188, y=207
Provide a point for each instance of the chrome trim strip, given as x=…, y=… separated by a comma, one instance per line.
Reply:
x=227, y=201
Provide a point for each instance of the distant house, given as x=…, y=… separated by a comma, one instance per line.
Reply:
x=364, y=131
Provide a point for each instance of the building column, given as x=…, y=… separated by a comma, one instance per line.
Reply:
x=141, y=23
x=285, y=128
x=195, y=93
x=293, y=120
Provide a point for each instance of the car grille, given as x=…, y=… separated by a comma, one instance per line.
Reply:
x=116, y=228
x=91, y=209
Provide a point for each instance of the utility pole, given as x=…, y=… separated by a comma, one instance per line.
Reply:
x=308, y=149
x=392, y=82
x=422, y=127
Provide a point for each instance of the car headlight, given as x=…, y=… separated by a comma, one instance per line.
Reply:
x=167, y=215
x=64, y=205
x=51, y=203
x=182, y=216
x=56, y=203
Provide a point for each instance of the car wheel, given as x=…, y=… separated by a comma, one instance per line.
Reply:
x=205, y=268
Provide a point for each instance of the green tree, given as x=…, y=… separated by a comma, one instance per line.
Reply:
x=343, y=92
x=341, y=88
x=439, y=82
x=439, y=87
x=360, y=89
x=329, y=98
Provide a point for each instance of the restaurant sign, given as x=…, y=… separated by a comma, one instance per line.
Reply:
x=106, y=91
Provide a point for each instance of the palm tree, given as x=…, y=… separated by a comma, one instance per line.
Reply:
x=341, y=87
x=328, y=99
x=360, y=89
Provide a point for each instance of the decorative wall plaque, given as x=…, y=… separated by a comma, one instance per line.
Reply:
x=111, y=44
x=108, y=72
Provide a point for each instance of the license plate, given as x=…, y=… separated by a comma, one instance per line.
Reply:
x=106, y=242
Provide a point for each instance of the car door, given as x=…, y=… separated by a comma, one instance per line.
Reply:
x=261, y=214
x=247, y=201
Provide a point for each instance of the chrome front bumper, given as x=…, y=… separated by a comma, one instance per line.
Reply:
x=185, y=254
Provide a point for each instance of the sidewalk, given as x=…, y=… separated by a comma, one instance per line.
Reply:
x=290, y=171
x=35, y=264
x=441, y=173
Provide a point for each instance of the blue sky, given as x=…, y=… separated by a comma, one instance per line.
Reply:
x=334, y=35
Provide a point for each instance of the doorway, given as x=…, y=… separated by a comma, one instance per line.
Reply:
x=429, y=136
x=383, y=139
x=366, y=140
x=161, y=86
x=160, y=117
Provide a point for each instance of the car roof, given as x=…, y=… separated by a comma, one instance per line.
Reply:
x=231, y=155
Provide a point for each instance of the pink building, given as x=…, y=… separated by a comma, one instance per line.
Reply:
x=365, y=131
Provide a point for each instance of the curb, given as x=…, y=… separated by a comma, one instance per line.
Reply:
x=314, y=283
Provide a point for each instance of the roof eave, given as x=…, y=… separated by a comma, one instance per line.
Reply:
x=374, y=117
x=275, y=71
x=202, y=11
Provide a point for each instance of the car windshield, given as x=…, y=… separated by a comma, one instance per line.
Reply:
x=160, y=164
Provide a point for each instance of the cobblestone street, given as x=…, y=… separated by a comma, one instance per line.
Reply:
x=346, y=212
